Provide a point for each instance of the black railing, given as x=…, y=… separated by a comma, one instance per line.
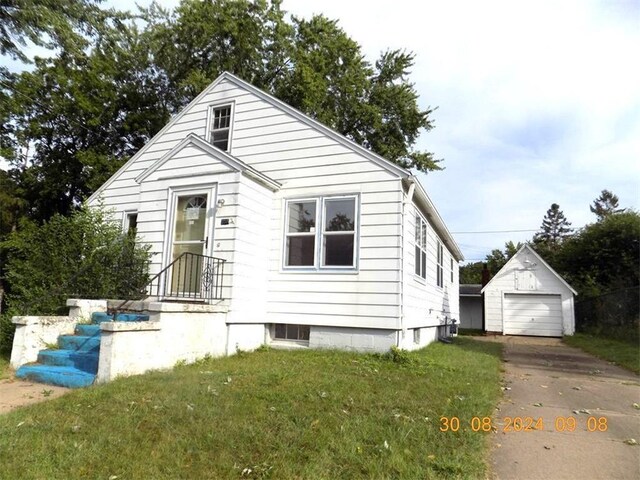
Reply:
x=190, y=276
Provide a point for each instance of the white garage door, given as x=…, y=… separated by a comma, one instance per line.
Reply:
x=527, y=314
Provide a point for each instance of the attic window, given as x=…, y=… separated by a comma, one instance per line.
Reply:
x=221, y=127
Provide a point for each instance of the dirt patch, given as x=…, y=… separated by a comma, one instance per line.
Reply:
x=18, y=393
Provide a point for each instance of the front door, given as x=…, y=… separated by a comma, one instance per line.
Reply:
x=192, y=220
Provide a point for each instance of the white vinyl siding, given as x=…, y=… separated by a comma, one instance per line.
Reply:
x=424, y=304
x=308, y=164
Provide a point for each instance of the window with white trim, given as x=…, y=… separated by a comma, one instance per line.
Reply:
x=439, y=264
x=284, y=331
x=421, y=247
x=451, y=269
x=130, y=224
x=333, y=244
x=220, y=127
x=301, y=233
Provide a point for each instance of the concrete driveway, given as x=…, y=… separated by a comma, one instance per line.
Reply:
x=547, y=380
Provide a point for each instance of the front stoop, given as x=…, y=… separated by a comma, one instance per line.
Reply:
x=75, y=363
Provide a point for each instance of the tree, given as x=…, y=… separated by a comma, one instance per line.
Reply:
x=76, y=118
x=554, y=229
x=603, y=256
x=471, y=273
x=606, y=204
x=63, y=23
x=498, y=258
x=313, y=65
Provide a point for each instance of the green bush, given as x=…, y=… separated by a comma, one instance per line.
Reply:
x=83, y=255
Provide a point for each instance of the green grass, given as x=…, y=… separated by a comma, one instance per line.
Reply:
x=623, y=353
x=269, y=414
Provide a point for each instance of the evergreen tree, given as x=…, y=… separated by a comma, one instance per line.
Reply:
x=554, y=229
x=606, y=204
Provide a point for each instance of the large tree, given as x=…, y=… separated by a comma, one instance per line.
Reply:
x=76, y=118
x=72, y=121
x=606, y=204
x=603, y=256
x=51, y=24
x=311, y=64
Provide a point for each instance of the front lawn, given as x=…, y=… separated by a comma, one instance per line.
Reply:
x=279, y=414
x=620, y=352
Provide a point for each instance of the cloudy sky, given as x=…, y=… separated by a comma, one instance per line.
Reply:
x=538, y=102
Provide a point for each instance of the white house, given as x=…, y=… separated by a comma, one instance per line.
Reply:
x=527, y=297
x=324, y=243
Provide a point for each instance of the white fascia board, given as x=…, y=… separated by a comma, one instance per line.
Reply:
x=436, y=220
x=298, y=115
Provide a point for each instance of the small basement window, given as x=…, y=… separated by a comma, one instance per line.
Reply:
x=221, y=127
x=292, y=332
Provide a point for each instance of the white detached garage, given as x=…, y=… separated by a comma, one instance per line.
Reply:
x=528, y=297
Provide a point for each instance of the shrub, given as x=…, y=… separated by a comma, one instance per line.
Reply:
x=83, y=255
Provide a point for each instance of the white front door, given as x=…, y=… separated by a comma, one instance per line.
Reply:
x=192, y=222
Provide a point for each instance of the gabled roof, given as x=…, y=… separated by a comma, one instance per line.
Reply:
x=391, y=167
x=539, y=259
x=232, y=162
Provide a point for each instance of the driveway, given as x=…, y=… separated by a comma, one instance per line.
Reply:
x=547, y=380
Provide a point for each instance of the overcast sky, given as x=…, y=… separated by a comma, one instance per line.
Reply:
x=538, y=102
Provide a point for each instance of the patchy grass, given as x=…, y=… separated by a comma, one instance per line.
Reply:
x=5, y=370
x=269, y=414
x=623, y=353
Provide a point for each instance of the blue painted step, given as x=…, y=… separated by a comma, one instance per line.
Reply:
x=89, y=329
x=80, y=343
x=99, y=317
x=85, y=361
x=55, y=375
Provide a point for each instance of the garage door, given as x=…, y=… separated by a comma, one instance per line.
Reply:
x=528, y=314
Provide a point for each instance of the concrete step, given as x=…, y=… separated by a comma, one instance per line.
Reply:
x=56, y=375
x=80, y=343
x=85, y=361
x=99, y=317
x=88, y=329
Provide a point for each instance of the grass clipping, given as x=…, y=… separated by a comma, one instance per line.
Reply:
x=269, y=414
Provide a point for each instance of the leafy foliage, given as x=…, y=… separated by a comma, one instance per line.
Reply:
x=603, y=256
x=471, y=273
x=63, y=23
x=606, y=204
x=83, y=255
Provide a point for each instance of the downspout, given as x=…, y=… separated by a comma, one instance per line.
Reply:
x=407, y=201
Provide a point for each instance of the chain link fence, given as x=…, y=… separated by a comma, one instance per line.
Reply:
x=615, y=314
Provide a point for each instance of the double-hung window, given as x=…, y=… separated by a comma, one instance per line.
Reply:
x=451, y=259
x=220, y=127
x=320, y=233
x=439, y=264
x=421, y=247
